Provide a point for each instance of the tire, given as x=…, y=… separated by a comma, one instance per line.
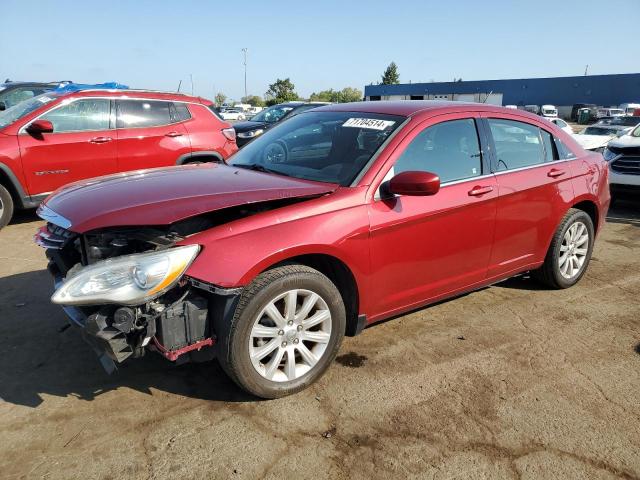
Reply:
x=6, y=207
x=558, y=274
x=287, y=368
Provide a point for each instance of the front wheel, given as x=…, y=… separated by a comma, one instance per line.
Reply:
x=286, y=331
x=570, y=251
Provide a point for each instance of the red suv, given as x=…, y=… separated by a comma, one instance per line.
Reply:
x=340, y=217
x=60, y=137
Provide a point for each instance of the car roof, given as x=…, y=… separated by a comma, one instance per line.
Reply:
x=409, y=108
x=131, y=93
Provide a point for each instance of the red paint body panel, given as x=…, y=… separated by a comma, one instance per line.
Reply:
x=403, y=252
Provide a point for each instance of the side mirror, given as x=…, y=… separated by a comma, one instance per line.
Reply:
x=414, y=183
x=39, y=127
x=3, y=106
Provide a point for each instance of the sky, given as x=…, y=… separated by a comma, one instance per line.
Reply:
x=318, y=45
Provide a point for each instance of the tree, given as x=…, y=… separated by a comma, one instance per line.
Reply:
x=281, y=91
x=349, y=94
x=220, y=98
x=391, y=75
x=253, y=100
x=324, y=96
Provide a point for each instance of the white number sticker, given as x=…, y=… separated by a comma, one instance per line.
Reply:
x=370, y=123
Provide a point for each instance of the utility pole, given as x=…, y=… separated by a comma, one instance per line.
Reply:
x=244, y=52
x=586, y=70
x=191, y=77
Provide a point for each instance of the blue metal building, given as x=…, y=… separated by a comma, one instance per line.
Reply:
x=604, y=90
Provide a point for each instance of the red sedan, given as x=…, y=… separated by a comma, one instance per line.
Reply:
x=338, y=218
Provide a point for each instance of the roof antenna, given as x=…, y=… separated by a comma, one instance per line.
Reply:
x=179, y=85
x=487, y=97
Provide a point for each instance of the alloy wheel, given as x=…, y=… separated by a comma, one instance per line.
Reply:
x=573, y=250
x=290, y=335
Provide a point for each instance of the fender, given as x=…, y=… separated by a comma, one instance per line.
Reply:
x=23, y=200
x=182, y=159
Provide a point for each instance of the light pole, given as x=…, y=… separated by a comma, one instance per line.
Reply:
x=244, y=51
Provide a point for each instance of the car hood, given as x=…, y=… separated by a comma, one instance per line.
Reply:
x=591, y=142
x=166, y=195
x=248, y=126
x=625, y=141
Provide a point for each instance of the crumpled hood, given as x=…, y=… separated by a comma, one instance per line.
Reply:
x=165, y=195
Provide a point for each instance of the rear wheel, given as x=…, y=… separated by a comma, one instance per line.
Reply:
x=569, y=252
x=285, y=333
x=6, y=206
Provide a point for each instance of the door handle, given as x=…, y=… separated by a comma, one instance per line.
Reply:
x=173, y=134
x=477, y=191
x=100, y=140
x=554, y=173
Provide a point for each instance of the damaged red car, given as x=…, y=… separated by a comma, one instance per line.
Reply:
x=343, y=216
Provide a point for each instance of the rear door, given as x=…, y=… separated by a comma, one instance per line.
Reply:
x=534, y=186
x=82, y=145
x=148, y=134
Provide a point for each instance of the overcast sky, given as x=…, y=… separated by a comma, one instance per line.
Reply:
x=319, y=45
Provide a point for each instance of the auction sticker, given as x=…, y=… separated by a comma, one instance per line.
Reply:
x=370, y=123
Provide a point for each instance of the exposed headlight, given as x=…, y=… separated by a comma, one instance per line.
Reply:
x=126, y=280
x=608, y=154
x=251, y=133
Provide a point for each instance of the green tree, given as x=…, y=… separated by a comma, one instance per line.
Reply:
x=324, y=96
x=391, y=75
x=253, y=100
x=281, y=91
x=349, y=94
x=220, y=98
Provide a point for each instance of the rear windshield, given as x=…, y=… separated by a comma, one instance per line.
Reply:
x=10, y=115
x=329, y=147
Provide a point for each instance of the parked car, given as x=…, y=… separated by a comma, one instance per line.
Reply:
x=609, y=112
x=549, y=111
x=623, y=121
x=267, y=118
x=561, y=124
x=232, y=114
x=596, y=137
x=593, y=109
x=630, y=108
x=318, y=228
x=72, y=134
x=12, y=93
x=532, y=109
x=623, y=155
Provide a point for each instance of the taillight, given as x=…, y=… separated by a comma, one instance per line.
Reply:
x=229, y=133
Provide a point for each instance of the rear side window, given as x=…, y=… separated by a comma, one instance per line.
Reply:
x=142, y=113
x=179, y=112
x=518, y=144
x=82, y=115
x=449, y=149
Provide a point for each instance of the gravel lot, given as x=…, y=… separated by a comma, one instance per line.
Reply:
x=510, y=381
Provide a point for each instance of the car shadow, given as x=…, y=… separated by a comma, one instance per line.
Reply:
x=24, y=216
x=42, y=355
x=626, y=210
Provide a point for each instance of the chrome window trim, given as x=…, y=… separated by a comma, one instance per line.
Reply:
x=22, y=129
x=529, y=167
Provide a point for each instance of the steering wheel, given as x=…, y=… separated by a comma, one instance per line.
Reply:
x=276, y=152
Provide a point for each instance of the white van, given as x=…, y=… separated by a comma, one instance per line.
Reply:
x=549, y=111
x=629, y=108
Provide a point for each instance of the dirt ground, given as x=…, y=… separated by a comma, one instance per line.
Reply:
x=512, y=381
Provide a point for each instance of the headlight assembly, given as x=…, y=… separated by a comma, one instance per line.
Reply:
x=251, y=133
x=127, y=280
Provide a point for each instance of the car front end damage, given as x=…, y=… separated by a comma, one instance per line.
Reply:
x=126, y=290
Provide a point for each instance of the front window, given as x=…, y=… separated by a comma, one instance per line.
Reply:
x=329, y=147
x=10, y=115
x=90, y=114
x=272, y=114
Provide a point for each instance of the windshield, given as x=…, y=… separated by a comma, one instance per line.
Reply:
x=272, y=114
x=329, y=147
x=10, y=115
x=600, y=131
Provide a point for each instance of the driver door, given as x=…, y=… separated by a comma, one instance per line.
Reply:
x=423, y=248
